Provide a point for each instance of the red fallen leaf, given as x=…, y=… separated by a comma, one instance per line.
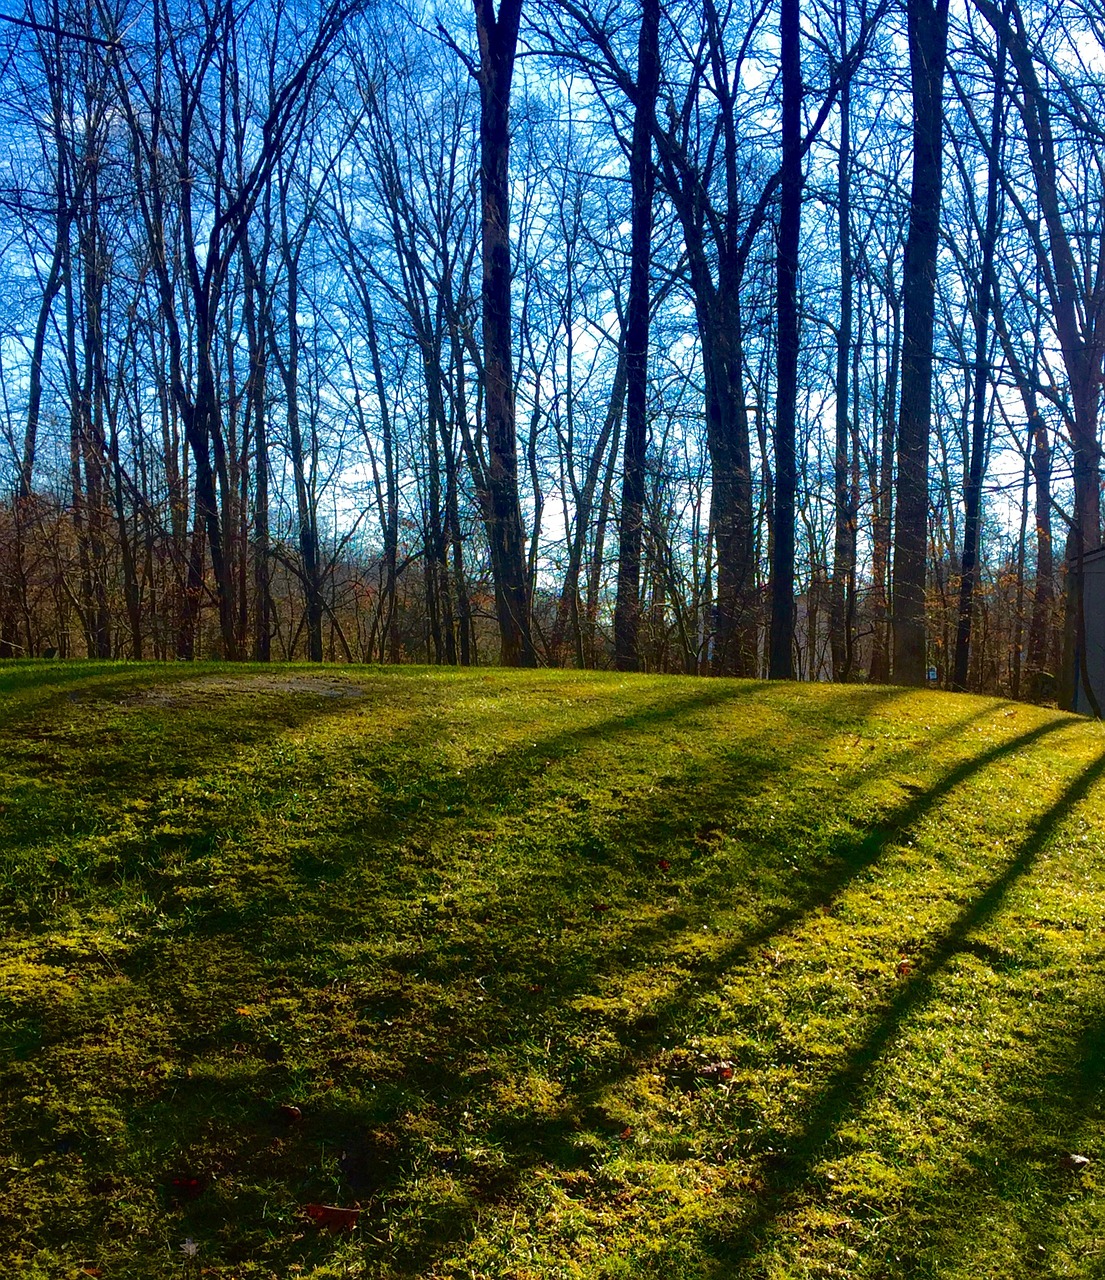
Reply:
x=626, y=1133
x=905, y=967
x=535, y=988
x=722, y=1070
x=187, y=1188
x=332, y=1217
x=91, y=1271
x=664, y=864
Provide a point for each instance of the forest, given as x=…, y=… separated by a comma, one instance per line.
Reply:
x=724, y=337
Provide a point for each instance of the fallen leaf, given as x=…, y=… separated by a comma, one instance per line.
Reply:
x=187, y=1188
x=332, y=1217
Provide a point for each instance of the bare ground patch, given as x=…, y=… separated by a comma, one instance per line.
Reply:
x=203, y=688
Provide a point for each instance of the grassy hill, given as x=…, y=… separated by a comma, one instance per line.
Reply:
x=546, y=975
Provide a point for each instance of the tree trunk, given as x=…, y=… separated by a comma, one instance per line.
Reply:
x=498, y=40
x=973, y=489
x=1043, y=596
x=781, y=652
x=257, y=413
x=389, y=641
x=627, y=607
x=568, y=606
x=928, y=41
x=883, y=500
x=734, y=651
x=841, y=610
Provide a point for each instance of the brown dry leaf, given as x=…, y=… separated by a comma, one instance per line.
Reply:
x=332, y=1217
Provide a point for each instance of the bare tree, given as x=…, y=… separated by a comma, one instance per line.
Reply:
x=628, y=603
x=928, y=43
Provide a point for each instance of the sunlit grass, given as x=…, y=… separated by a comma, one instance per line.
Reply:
x=549, y=975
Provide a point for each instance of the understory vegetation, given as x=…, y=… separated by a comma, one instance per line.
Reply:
x=422, y=972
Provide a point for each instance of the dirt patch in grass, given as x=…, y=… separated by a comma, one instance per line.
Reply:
x=231, y=686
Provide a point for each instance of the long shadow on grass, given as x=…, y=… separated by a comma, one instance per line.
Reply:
x=809, y=888
x=32, y=688
x=810, y=893
x=535, y=1143
x=849, y=859
x=517, y=774
x=1013, y=1195
x=431, y=1069
x=459, y=800
x=846, y=1085
x=531, y=1144
x=1016, y=1191
x=116, y=746
x=416, y=802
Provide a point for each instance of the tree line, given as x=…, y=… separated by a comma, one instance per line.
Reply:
x=737, y=338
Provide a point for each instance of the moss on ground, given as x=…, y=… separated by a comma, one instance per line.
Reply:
x=548, y=975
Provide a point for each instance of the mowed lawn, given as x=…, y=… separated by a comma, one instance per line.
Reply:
x=355, y=972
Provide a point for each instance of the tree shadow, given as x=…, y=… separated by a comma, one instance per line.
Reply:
x=369, y=1165
x=355, y=1136
x=431, y=1072
x=839, y=1094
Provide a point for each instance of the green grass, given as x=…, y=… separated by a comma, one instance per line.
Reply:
x=568, y=975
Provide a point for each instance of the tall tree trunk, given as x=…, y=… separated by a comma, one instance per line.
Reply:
x=627, y=607
x=594, y=572
x=781, y=652
x=433, y=539
x=883, y=500
x=389, y=643
x=1076, y=300
x=1022, y=541
x=841, y=607
x=257, y=413
x=203, y=430
x=439, y=452
x=928, y=42
x=191, y=599
x=498, y=41
x=568, y=606
x=973, y=489
x=132, y=595
x=1043, y=596
x=734, y=650
x=306, y=516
